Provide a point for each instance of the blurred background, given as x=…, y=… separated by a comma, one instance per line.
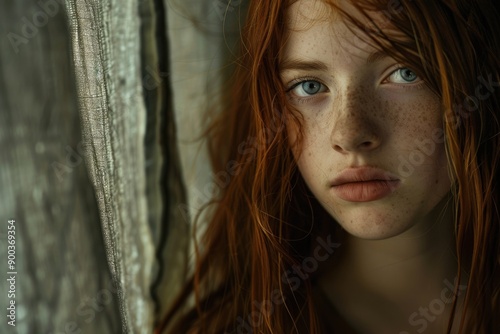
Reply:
x=101, y=168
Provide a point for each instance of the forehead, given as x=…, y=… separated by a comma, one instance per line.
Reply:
x=317, y=29
x=303, y=13
x=307, y=12
x=321, y=27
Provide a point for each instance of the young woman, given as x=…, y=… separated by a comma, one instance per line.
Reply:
x=360, y=144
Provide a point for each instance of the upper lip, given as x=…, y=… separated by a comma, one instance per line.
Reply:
x=360, y=174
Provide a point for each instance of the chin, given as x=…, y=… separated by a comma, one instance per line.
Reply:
x=374, y=225
x=373, y=233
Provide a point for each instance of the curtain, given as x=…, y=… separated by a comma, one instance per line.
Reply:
x=100, y=170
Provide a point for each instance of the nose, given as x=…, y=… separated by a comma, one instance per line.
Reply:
x=355, y=128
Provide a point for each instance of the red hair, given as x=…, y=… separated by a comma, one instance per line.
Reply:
x=265, y=220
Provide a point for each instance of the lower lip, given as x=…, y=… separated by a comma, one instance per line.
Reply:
x=366, y=191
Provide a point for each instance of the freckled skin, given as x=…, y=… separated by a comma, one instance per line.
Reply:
x=363, y=120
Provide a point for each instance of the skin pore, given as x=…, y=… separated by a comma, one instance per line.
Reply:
x=362, y=108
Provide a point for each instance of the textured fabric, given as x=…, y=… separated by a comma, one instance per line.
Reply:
x=63, y=282
x=106, y=52
x=91, y=168
x=201, y=36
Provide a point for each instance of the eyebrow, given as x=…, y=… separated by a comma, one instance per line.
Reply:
x=376, y=56
x=304, y=65
x=316, y=65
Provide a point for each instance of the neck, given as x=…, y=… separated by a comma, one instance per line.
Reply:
x=423, y=254
x=400, y=273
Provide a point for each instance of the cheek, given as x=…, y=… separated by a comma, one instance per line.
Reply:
x=302, y=142
x=423, y=151
x=299, y=140
x=419, y=123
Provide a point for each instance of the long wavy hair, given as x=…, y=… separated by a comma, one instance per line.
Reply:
x=265, y=221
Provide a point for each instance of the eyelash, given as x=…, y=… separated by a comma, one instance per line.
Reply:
x=409, y=85
x=300, y=80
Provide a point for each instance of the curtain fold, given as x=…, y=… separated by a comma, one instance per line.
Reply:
x=106, y=51
x=101, y=102
x=63, y=282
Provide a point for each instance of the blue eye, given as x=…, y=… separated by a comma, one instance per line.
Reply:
x=407, y=74
x=403, y=75
x=307, y=88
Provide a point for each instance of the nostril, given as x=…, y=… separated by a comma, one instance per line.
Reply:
x=338, y=148
x=349, y=140
x=372, y=143
x=366, y=144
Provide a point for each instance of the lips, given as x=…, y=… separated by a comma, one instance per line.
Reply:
x=364, y=184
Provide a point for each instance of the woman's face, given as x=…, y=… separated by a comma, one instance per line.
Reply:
x=372, y=150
